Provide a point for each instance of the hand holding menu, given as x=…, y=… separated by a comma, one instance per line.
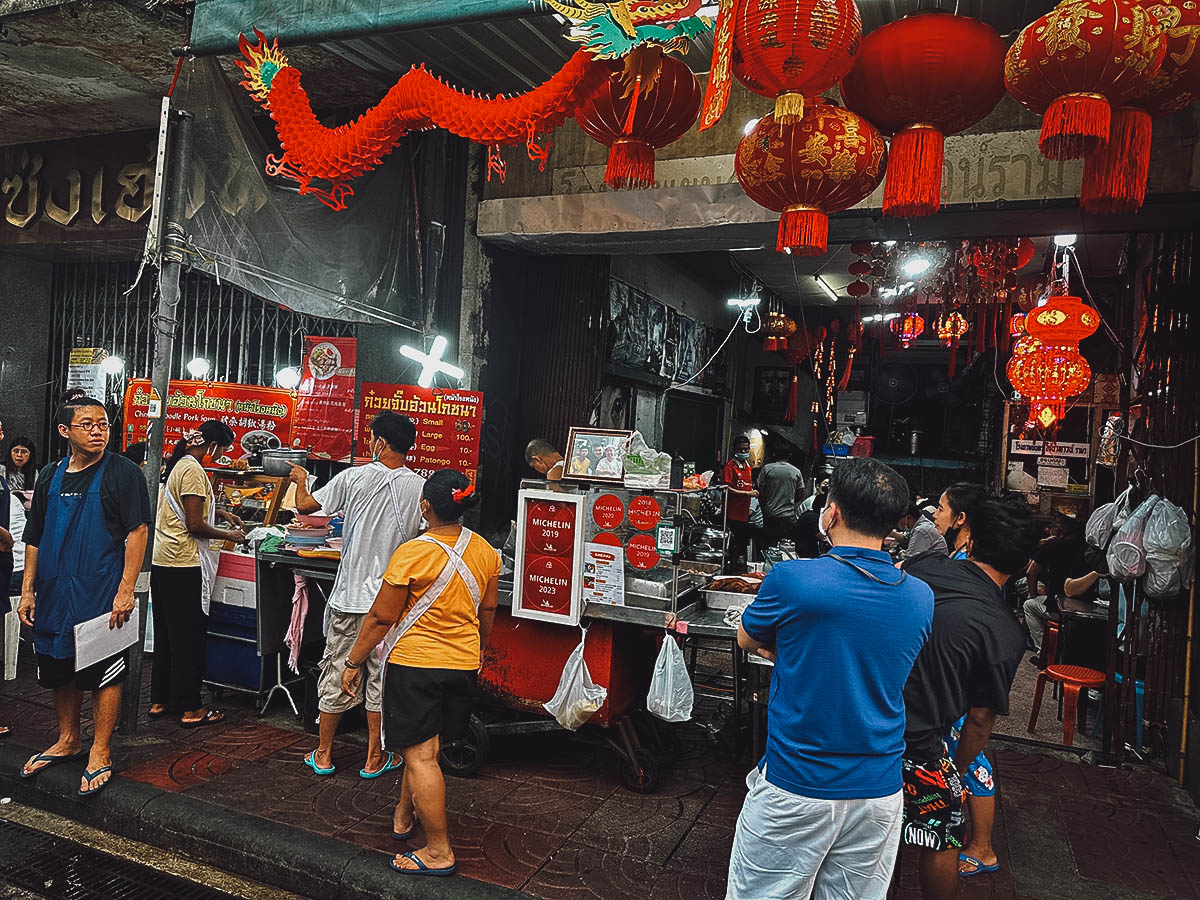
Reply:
x=96, y=642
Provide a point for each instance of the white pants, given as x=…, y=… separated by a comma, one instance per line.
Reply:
x=787, y=846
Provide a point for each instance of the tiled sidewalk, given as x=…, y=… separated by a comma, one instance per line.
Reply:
x=550, y=816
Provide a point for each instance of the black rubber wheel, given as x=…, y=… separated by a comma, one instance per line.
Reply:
x=642, y=777
x=466, y=757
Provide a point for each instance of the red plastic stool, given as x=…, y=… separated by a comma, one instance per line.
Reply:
x=1072, y=679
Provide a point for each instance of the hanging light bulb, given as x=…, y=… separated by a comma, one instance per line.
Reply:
x=199, y=367
x=288, y=378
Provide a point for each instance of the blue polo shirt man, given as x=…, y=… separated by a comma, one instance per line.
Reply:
x=824, y=811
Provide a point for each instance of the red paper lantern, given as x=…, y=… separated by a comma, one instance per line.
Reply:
x=634, y=126
x=828, y=161
x=920, y=78
x=860, y=268
x=858, y=289
x=908, y=328
x=950, y=328
x=1177, y=84
x=791, y=50
x=1025, y=251
x=1049, y=376
x=1075, y=61
x=1016, y=325
x=1062, y=321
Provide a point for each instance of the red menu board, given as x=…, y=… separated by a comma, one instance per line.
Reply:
x=448, y=422
x=325, y=398
x=549, y=539
x=260, y=417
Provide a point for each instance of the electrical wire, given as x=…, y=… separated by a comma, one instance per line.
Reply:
x=1191, y=440
x=717, y=352
x=1112, y=335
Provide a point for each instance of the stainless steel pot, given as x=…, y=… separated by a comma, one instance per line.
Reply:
x=279, y=462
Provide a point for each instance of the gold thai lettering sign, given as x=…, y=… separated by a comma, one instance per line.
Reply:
x=64, y=191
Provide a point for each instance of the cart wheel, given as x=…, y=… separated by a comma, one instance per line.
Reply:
x=466, y=757
x=641, y=776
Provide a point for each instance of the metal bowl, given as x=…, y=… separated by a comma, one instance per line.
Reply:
x=279, y=462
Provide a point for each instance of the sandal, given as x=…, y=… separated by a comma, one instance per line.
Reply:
x=980, y=868
x=392, y=763
x=209, y=718
x=421, y=868
x=49, y=761
x=89, y=777
x=311, y=762
x=151, y=714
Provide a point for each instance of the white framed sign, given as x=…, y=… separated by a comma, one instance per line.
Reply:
x=548, y=581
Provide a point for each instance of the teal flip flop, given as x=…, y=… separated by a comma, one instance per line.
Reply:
x=421, y=868
x=311, y=762
x=88, y=776
x=980, y=868
x=392, y=763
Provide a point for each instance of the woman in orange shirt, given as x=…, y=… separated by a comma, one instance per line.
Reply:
x=434, y=612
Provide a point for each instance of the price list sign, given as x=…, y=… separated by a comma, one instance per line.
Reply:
x=549, y=549
x=448, y=421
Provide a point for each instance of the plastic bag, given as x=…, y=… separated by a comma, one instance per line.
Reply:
x=646, y=469
x=1126, y=553
x=1100, y=524
x=577, y=697
x=671, y=695
x=1170, y=556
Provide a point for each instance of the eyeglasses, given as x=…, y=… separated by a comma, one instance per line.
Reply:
x=91, y=426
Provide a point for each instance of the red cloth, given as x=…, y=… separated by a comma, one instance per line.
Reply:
x=739, y=476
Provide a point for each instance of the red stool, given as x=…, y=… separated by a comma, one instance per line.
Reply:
x=1072, y=679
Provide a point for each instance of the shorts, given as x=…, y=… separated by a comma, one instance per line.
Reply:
x=978, y=779
x=421, y=703
x=56, y=673
x=933, y=805
x=343, y=633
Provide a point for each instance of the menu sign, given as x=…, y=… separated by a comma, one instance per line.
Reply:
x=260, y=417
x=449, y=423
x=325, y=397
x=547, y=581
x=85, y=373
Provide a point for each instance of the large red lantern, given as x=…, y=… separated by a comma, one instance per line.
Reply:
x=1075, y=61
x=633, y=126
x=1177, y=84
x=920, y=78
x=827, y=162
x=1049, y=376
x=908, y=328
x=1062, y=321
x=795, y=49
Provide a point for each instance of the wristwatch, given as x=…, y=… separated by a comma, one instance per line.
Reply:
x=352, y=665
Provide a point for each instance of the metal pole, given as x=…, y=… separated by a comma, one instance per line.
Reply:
x=164, y=326
x=1187, y=669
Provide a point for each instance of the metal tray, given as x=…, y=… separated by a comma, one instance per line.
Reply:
x=725, y=599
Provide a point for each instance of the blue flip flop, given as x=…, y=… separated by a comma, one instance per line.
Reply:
x=311, y=761
x=387, y=767
x=421, y=868
x=980, y=868
x=88, y=776
x=49, y=761
x=405, y=835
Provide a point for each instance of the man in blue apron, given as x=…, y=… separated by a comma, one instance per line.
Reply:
x=85, y=541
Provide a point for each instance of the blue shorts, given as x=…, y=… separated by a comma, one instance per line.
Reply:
x=978, y=778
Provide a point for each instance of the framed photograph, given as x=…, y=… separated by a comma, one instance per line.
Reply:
x=548, y=580
x=771, y=386
x=597, y=454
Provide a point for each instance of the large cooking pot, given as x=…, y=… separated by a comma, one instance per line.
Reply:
x=279, y=462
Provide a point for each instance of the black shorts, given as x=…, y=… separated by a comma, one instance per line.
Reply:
x=421, y=703
x=55, y=673
x=933, y=805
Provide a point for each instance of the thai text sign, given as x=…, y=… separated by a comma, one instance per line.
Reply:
x=325, y=398
x=448, y=424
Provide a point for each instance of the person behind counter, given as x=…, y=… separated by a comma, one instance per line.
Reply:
x=182, y=572
x=435, y=612
x=779, y=486
x=541, y=456
x=84, y=545
x=823, y=814
x=381, y=503
x=739, y=477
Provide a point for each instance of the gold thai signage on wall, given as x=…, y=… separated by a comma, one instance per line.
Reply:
x=78, y=190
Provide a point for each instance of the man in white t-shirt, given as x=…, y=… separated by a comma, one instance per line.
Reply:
x=381, y=505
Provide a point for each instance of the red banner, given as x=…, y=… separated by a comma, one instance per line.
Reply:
x=325, y=398
x=448, y=424
x=261, y=417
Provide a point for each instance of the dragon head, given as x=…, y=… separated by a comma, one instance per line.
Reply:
x=262, y=64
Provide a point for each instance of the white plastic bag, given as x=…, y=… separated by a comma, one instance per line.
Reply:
x=577, y=697
x=1170, y=555
x=671, y=695
x=1126, y=553
x=1100, y=524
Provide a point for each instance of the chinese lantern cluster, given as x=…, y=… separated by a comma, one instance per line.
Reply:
x=908, y=328
x=776, y=330
x=1047, y=367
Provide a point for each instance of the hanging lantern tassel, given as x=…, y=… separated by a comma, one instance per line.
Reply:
x=789, y=108
x=914, y=174
x=803, y=230
x=789, y=415
x=630, y=160
x=1075, y=125
x=952, y=367
x=1114, y=177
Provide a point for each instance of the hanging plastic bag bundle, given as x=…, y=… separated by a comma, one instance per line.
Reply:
x=1102, y=522
x=577, y=697
x=1170, y=555
x=671, y=694
x=1127, y=553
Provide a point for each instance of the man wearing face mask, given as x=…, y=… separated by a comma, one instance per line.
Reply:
x=823, y=815
x=739, y=476
x=381, y=504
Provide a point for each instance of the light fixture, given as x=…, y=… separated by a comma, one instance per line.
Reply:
x=431, y=363
x=916, y=266
x=751, y=125
x=199, y=367
x=1065, y=240
x=829, y=292
x=113, y=365
x=288, y=378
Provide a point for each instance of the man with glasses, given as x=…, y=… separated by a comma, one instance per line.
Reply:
x=85, y=540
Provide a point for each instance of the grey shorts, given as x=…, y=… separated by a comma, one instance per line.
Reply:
x=343, y=632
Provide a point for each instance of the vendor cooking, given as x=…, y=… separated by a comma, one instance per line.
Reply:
x=381, y=503
x=544, y=459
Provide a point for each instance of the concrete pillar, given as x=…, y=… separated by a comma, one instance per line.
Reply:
x=24, y=344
